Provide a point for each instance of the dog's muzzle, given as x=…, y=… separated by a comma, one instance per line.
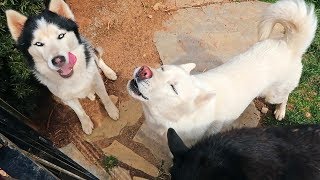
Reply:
x=133, y=86
x=65, y=69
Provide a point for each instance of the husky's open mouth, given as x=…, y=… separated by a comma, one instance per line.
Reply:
x=66, y=70
x=134, y=88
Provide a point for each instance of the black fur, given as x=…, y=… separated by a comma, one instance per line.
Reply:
x=275, y=153
x=87, y=52
x=26, y=37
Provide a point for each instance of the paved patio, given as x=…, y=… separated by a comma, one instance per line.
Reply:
x=206, y=32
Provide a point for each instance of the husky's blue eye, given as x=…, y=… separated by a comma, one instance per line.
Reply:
x=61, y=35
x=38, y=44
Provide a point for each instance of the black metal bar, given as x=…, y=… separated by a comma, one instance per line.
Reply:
x=18, y=165
x=30, y=141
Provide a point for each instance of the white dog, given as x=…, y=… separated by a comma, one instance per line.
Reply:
x=198, y=104
x=61, y=59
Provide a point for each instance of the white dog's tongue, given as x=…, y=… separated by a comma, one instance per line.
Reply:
x=67, y=68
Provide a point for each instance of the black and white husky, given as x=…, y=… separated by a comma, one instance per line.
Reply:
x=61, y=58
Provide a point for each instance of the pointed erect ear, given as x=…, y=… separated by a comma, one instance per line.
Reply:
x=176, y=145
x=16, y=23
x=61, y=8
x=188, y=67
x=204, y=98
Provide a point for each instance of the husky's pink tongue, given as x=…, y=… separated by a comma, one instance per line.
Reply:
x=67, y=69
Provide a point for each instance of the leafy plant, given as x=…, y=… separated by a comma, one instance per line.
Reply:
x=109, y=162
x=18, y=87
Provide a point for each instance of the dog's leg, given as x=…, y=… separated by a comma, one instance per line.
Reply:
x=281, y=101
x=279, y=95
x=86, y=123
x=280, y=111
x=107, y=71
x=102, y=93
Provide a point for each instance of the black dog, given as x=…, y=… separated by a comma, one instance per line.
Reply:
x=277, y=153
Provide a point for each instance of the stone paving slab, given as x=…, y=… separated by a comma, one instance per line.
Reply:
x=155, y=144
x=215, y=32
x=130, y=113
x=130, y=158
x=179, y=4
x=72, y=152
x=119, y=173
x=138, y=178
x=210, y=36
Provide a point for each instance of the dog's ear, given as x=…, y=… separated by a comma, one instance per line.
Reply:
x=188, y=67
x=175, y=143
x=204, y=97
x=61, y=8
x=16, y=23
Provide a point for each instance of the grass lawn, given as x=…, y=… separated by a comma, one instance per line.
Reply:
x=304, y=101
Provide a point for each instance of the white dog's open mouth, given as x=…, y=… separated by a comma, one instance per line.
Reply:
x=133, y=87
x=66, y=70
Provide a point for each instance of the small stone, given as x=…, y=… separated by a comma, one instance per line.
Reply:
x=308, y=115
x=118, y=173
x=127, y=156
x=114, y=99
x=157, y=6
x=264, y=110
x=150, y=16
x=144, y=55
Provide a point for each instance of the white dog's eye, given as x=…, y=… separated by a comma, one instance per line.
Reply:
x=174, y=89
x=61, y=35
x=38, y=44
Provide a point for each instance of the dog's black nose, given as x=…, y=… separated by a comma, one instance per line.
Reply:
x=58, y=61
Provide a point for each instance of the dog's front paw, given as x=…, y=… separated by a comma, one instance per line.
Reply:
x=279, y=113
x=113, y=112
x=87, y=125
x=112, y=76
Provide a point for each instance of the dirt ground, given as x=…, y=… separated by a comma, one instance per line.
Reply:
x=124, y=29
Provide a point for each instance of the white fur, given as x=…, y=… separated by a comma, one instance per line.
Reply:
x=206, y=102
x=85, y=80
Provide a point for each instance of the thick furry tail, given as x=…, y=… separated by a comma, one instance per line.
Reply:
x=297, y=18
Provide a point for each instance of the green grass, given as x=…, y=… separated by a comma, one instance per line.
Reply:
x=304, y=101
x=18, y=87
x=109, y=162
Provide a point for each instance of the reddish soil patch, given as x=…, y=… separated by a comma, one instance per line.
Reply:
x=124, y=29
